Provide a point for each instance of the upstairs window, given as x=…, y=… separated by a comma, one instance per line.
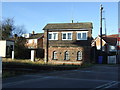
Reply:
x=66, y=35
x=54, y=55
x=81, y=35
x=53, y=36
x=112, y=48
x=66, y=55
x=79, y=55
x=50, y=36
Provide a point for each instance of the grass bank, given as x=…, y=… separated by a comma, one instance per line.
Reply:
x=20, y=67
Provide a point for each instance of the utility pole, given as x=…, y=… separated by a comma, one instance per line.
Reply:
x=1, y=31
x=101, y=8
x=105, y=26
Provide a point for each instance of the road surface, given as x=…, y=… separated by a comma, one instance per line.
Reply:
x=95, y=77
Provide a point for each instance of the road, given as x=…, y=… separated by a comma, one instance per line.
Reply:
x=95, y=77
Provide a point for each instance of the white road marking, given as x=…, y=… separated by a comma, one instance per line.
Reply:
x=107, y=85
x=112, y=85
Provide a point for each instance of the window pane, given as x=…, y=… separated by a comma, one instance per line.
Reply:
x=79, y=35
x=84, y=36
x=54, y=36
x=69, y=36
x=66, y=56
x=50, y=36
x=64, y=36
x=79, y=55
x=54, y=55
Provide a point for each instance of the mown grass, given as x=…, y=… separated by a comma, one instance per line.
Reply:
x=17, y=67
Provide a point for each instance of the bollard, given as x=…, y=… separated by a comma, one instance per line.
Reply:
x=12, y=55
x=33, y=55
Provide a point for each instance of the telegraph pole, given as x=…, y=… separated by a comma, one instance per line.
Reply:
x=105, y=26
x=101, y=8
x=0, y=31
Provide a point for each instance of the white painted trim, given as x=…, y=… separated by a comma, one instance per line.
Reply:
x=53, y=36
x=81, y=31
x=70, y=29
x=81, y=55
x=67, y=35
x=96, y=40
x=81, y=34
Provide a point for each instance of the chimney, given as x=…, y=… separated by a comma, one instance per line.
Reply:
x=33, y=32
x=15, y=35
x=72, y=21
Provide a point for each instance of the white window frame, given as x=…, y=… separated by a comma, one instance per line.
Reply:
x=54, y=55
x=66, y=35
x=111, y=48
x=53, y=35
x=82, y=34
x=79, y=55
x=66, y=56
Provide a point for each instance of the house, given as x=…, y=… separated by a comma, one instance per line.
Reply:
x=109, y=46
x=26, y=35
x=35, y=42
x=7, y=46
x=68, y=43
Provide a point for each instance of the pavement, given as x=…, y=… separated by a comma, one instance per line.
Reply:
x=96, y=77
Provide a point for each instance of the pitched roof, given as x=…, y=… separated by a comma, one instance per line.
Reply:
x=111, y=39
x=35, y=36
x=113, y=35
x=87, y=25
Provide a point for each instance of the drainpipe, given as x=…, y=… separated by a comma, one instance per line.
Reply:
x=47, y=47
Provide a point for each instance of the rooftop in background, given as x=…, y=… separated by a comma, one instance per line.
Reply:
x=32, y=35
x=85, y=25
x=113, y=35
x=35, y=36
x=111, y=39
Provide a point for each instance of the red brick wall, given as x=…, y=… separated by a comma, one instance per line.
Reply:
x=72, y=53
x=40, y=43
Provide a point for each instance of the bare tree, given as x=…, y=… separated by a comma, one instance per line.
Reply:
x=8, y=29
x=19, y=30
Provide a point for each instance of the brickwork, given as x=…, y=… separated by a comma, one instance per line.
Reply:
x=71, y=46
x=72, y=53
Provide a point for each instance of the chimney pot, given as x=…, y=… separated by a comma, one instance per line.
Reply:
x=33, y=32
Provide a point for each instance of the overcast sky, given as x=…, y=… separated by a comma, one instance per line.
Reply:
x=35, y=15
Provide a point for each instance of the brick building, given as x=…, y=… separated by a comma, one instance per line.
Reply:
x=68, y=43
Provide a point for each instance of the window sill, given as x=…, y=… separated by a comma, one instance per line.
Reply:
x=54, y=59
x=66, y=60
x=81, y=39
x=66, y=39
x=79, y=60
x=52, y=39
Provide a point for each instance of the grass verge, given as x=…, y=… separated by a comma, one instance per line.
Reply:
x=20, y=67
